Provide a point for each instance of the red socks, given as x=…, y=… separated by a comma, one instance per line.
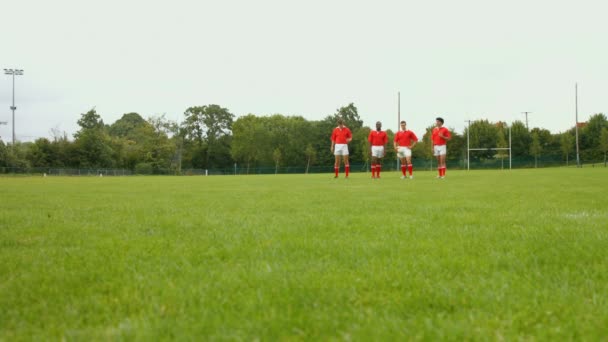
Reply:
x=376, y=170
x=346, y=169
x=410, y=169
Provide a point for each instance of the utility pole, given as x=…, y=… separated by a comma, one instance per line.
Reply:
x=526, y=113
x=13, y=108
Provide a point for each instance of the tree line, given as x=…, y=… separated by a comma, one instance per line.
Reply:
x=209, y=137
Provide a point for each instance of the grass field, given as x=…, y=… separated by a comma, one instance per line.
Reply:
x=484, y=255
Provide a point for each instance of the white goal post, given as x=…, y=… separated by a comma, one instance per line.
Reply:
x=485, y=149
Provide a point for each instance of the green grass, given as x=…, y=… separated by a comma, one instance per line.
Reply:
x=485, y=255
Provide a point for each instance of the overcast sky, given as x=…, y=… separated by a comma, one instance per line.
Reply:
x=466, y=59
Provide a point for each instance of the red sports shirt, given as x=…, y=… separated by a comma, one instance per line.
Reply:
x=405, y=138
x=437, y=140
x=339, y=135
x=377, y=138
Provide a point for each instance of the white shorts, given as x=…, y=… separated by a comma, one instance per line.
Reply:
x=378, y=151
x=440, y=150
x=404, y=152
x=340, y=150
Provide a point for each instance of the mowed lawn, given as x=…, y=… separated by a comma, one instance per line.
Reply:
x=486, y=255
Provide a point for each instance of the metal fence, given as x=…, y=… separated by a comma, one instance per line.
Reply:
x=387, y=165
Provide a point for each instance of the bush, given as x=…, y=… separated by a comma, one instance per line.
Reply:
x=143, y=168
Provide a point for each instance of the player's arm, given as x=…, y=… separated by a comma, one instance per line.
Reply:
x=384, y=144
x=414, y=140
x=349, y=137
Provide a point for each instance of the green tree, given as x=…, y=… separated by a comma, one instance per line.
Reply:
x=535, y=148
x=482, y=134
x=604, y=143
x=276, y=156
x=205, y=125
x=40, y=153
x=127, y=126
x=311, y=155
x=92, y=142
x=350, y=115
x=501, y=143
x=362, y=152
x=591, y=135
x=566, y=145
x=520, y=140
x=249, y=140
x=425, y=147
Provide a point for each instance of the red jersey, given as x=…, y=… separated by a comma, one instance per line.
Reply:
x=437, y=140
x=405, y=138
x=377, y=138
x=339, y=135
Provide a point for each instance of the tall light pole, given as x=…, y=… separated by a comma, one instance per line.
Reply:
x=13, y=108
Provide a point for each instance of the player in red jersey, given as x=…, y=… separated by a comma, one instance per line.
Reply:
x=377, y=139
x=404, y=141
x=340, y=137
x=440, y=137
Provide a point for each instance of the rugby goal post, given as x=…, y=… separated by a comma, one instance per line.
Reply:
x=487, y=148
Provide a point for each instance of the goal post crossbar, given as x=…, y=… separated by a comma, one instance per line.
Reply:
x=488, y=148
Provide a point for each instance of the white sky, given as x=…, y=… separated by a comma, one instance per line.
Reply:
x=466, y=59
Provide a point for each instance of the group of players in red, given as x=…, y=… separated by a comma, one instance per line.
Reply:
x=403, y=143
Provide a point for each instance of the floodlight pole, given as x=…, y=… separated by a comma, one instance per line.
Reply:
x=13, y=72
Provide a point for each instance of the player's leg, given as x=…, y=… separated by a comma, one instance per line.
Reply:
x=337, y=165
x=378, y=166
x=438, y=166
x=373, y=165
x=346, y=165
x=410, y=167
x=403, y=167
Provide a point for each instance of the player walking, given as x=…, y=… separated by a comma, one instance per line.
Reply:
x=377, y=140
x=340, y=137
x=404, y=141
